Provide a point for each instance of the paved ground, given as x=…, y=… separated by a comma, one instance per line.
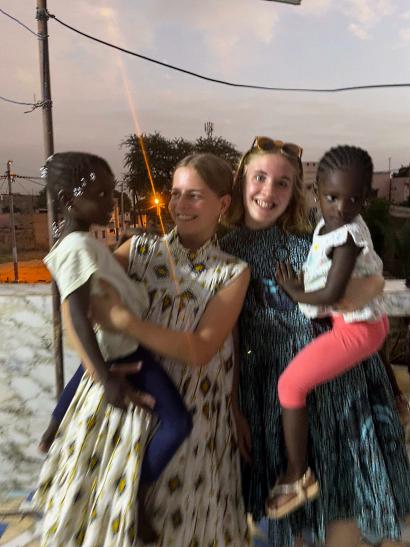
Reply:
x=20, y=527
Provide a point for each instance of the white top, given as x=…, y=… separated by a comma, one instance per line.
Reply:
x=318, y=264
x=79, y=257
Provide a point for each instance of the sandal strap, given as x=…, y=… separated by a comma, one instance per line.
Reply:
x=298, y=487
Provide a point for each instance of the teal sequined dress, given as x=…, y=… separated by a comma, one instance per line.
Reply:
x=356, y=444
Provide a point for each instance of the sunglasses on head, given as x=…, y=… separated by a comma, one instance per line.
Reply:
x=266, y=144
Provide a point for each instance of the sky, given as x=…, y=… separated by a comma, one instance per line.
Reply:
x=101, y=96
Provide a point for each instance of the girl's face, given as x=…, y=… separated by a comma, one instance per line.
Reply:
x=194, y=207
x=96, y=202
x=269, y=180
x=341, y=197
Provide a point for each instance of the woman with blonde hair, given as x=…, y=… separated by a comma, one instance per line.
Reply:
x=356, y=445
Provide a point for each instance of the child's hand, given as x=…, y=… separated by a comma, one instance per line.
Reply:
x=119, y=393
x=288, y=280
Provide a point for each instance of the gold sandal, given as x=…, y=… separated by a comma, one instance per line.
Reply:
x=303, y=493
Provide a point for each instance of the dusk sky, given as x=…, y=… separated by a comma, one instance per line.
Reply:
x=320, y=44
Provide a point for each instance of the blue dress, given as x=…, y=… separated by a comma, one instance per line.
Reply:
x=356, y=442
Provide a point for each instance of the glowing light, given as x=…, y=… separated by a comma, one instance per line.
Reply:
x=113, y=28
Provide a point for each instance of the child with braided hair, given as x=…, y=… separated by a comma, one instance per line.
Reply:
x=342, y=248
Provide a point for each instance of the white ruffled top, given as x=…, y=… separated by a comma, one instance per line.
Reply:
x=318, y=263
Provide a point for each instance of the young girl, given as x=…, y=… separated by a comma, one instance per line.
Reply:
x=84, y=185
x=341, y=249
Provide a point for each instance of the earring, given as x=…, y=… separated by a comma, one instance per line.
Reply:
x=219, y=218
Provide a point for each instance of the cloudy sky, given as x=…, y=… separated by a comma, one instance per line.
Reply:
x=320, y=44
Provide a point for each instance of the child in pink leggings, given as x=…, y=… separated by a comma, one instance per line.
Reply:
x=342, y=248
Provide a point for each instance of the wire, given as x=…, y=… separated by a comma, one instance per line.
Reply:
x=15, y=102
x=37, y=104
x=28, y=177
x=224, y=82
x=19, y=22
x=42, y=184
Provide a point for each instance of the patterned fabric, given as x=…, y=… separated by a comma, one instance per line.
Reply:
x=318, y=264
x=89, y=482
x=356, y=444
x=197, y=500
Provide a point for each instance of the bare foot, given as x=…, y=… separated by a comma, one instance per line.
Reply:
x=296, y=491
x=48, y=436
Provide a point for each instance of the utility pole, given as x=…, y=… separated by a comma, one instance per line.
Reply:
x=209, y=129
x=42, y=18
x=12, y=223
x=390, y=179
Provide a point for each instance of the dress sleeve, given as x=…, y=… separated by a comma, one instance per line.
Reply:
x=231, y=270
x=71, y=267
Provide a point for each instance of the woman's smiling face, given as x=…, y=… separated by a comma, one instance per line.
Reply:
x=269, y=180
x=194, y=207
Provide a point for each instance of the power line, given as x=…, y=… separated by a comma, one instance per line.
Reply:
x=225, y=82
x=37, y=104
x=19, y=22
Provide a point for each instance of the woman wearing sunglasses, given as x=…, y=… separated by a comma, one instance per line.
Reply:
x=356, y=441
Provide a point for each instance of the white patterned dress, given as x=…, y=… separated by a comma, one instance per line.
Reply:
x=197, y=501
x=89, y=482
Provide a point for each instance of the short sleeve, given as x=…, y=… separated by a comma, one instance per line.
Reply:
x=71, y=267
x=228, y=272
x=357, y=230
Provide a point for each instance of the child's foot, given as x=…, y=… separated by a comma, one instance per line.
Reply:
x=48, y=436
x=146, y=533
x=290, y=493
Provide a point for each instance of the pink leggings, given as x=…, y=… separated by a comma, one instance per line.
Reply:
x=330, y=355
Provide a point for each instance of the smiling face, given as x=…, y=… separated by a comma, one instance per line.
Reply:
x=194, y=207
x=269, y=181
x=341, y=197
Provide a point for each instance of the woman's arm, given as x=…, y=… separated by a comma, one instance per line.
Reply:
x=243, y=431
x=122, y=254
x=343, y=262
x=193, y=348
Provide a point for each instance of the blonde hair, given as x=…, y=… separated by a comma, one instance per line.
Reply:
x=295, y=217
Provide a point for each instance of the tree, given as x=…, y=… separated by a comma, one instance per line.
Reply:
x=161, y=154
x=220, y=147
x=376, y=215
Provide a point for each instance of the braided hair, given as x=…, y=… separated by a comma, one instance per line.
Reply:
x=66, y=170
x=347, y=158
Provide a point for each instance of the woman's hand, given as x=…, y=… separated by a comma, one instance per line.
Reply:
x=118, y=391
x=107, y=310
x=288, y=280
x=243, y=433
x=360, y=291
